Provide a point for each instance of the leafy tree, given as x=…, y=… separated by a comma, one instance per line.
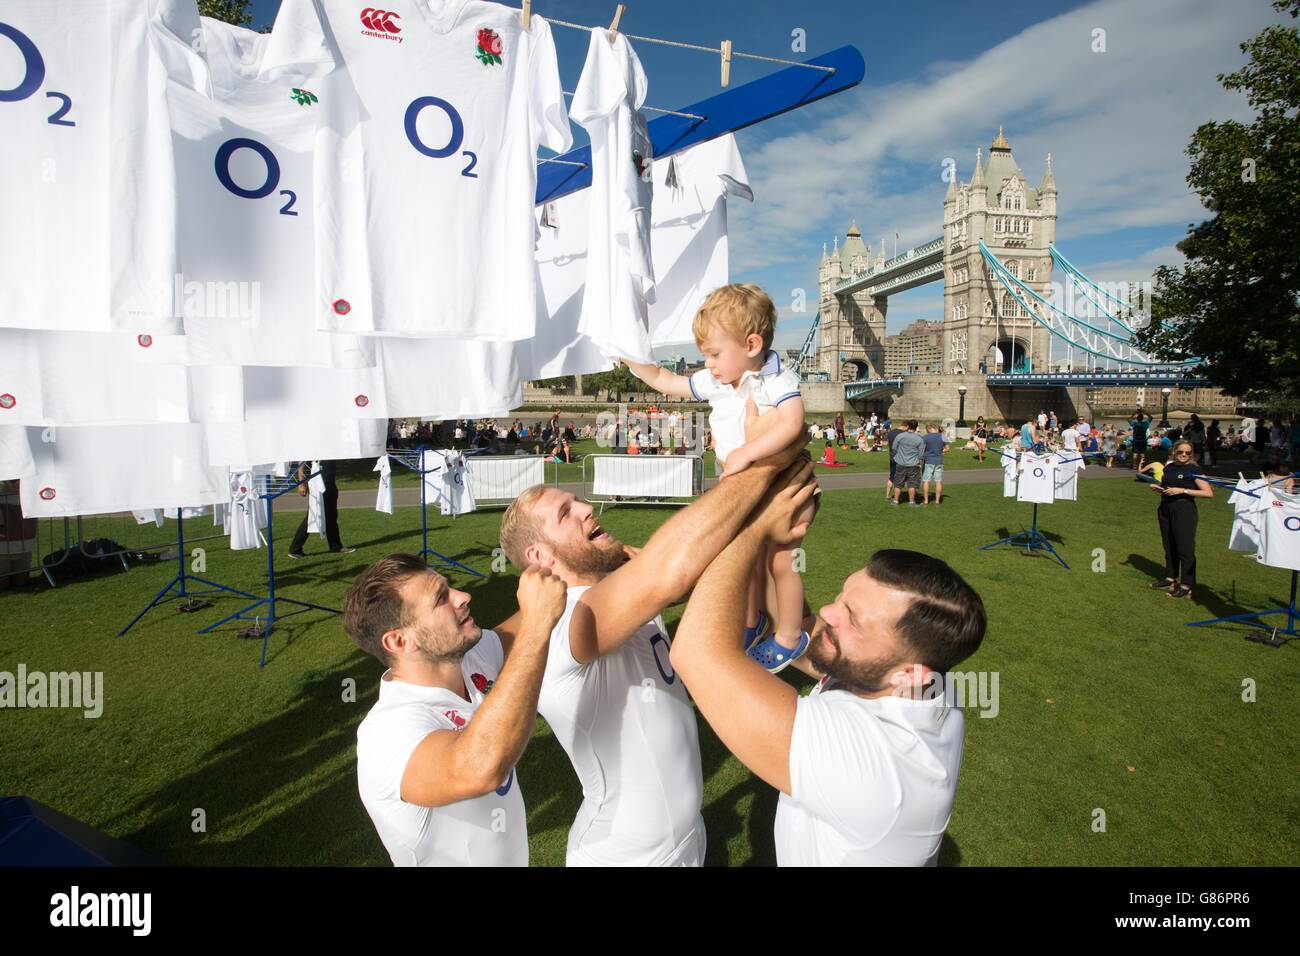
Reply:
x=618, y=379
x=231, y=11
x=1236, y=303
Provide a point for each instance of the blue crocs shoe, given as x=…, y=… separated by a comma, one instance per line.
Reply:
x=773, y=656
x=752, y=634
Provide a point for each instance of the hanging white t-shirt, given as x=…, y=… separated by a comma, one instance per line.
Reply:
x=770, y=386
x=457, y=496
x=872, y=782
x=491, y=830
x=85, y=172
x=316, y=501
x=244, y=517
x=1037, y=482
x=558, y=347
x=1009, y=470
x=426, y=175
x=1068, y=468
x=1279, y=537
x=243, y=130
x=108, y=469
x=620, y=273
x=688, y=236
x=1247, y=515
x=629, y=729
x=297, y=414
x=15, y=455
x=384, y=496
x=93, y=378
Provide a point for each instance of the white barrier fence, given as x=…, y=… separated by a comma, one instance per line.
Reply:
x=500, y=479
x=642, y=479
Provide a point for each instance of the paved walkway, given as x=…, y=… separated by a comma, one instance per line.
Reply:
x=828, y=480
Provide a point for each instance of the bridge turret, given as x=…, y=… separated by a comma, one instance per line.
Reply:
x=1047, y=192
x=978, y=188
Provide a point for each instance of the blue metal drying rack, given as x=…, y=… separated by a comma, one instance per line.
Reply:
x=180, y=583
x=272, y=487
x=414, y=460
x=1032, y=540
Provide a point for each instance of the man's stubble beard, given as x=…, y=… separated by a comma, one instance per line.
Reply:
x=439, y=652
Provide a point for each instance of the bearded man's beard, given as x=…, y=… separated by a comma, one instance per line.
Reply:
x=855, y=676
x=447, y=651
x=590, y=558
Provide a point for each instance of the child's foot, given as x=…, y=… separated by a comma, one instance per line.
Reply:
x=752, y=634
x=773, y=656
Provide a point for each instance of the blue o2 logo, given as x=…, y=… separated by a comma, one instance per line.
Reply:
x=668, y=674
x=454, y=140
x=33, y=77
x=1291, y=523
x=1039, y=473
x=222, y=168
x=502, y=790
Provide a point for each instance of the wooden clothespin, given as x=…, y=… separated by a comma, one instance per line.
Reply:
x=526, y=14
x=726, y=62
x=613, y=25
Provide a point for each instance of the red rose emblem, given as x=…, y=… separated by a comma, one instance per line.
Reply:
x=489, y=47
x=144, y=340
x=7, y=401
x=480, y=683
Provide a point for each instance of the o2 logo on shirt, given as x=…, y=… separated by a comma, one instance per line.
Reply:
x=502, y=790
x=222, y=167
x=454, y=141
x=1039, y=473
x=668, y=674
x=33, y=77
x=1291, y=523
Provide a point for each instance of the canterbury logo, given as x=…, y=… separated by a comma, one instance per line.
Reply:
x=380, y=20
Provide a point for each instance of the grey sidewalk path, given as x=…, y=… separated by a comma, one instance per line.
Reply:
x=827, y=479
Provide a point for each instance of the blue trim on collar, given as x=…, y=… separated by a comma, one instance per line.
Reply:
x=771, y=363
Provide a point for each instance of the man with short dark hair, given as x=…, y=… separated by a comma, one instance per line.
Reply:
x=867, y=764
x=908, y=449
x=894, y=432
x=936, y=446
x=436, y=753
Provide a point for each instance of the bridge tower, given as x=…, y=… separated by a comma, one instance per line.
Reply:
x=983, y=325
x=851, y=338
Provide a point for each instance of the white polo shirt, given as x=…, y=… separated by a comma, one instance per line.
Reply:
x=872, y=781
x=491, y=830
x=771, y=385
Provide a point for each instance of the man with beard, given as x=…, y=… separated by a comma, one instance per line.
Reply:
x=610, y=694
x=436, y=754
x=867, y=763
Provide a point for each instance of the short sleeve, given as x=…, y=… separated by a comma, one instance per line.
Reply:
x=602, y=86
x=385, y=745
x=783, y=386
x=550, y=118
x=491, y=653
x=839, y=772
x=703, y=385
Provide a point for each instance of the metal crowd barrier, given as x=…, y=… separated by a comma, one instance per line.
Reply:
x=22, y=550
x=497, y=480
x=644, y=472
x=135, y=538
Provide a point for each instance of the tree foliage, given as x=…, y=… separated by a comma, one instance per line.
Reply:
x=1235, y=304
x=237, y=12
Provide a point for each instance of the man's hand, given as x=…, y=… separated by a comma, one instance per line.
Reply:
x=737, y=462
x=541, y=600
x=774, y=517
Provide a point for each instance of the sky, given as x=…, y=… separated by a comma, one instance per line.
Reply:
x=941, y=77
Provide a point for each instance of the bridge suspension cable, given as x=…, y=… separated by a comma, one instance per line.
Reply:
x=1100, y=343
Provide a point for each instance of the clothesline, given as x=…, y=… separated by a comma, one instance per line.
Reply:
x=716, y=51
x=656, y=109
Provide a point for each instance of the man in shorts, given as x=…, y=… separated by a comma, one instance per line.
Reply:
x=908, y=448
x=936, y=446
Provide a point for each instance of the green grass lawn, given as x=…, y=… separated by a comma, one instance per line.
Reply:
x=1106, y=700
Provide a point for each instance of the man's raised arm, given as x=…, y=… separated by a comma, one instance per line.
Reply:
x=751, y=711
x=672, y=560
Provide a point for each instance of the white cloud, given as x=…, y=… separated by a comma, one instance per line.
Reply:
x=1117, y=124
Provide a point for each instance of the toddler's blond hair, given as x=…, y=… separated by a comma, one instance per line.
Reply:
x=740, y=311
